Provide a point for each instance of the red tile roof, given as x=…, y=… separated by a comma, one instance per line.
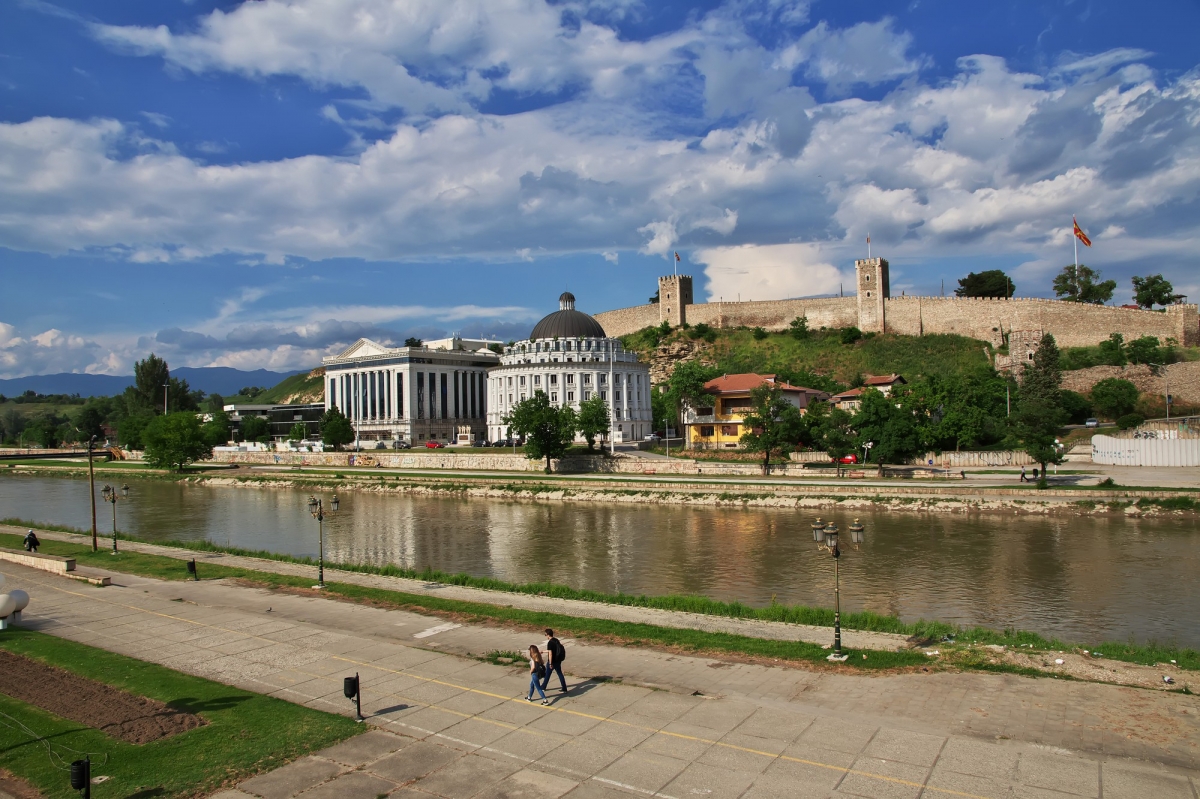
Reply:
x=748, y=382
x=883, y=380
x=845, y=395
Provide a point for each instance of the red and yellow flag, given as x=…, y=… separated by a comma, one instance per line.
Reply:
x=1079, y=234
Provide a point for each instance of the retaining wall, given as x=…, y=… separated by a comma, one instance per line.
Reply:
x=1146, y=452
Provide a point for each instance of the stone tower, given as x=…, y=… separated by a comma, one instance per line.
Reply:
x=674, y=296
x=873, y=290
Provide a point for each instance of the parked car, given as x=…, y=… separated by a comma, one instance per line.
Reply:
x=653, y=438
x=504, y=442
x=851, y=458
x=1091, y=422
x=381, y=445
x=431, y=444
x=401, y=445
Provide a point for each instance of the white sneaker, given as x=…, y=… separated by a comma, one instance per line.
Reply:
x=545, y=701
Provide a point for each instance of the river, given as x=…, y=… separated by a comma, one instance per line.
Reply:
x=1085, y=578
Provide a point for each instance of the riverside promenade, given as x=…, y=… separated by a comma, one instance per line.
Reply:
x=636, y=722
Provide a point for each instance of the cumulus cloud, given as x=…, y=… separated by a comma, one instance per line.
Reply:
x=48, y=352
x=754, y=272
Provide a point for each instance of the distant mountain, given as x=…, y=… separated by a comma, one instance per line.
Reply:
x=209, y=379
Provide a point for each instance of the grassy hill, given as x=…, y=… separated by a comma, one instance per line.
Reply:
x=823, y=353
x=304, y=387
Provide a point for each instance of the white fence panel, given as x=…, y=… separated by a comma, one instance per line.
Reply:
x=1145, y=451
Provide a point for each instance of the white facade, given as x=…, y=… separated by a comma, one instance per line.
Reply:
x=413, y=394
x=570, y=369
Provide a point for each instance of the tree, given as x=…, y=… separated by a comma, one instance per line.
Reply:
x=218, y=429
x=413, y=341
x=1040, y=412
x=298, y=432
x=593, y=419
x=1154, y=290
x=215, y=403
x=547, y=430
x=773, y=424
x=130, y=430
x=1112, y=350
x=1146, y=350
x=1114, y=397
x=798, y=328
x=149, y=377
x=256, y=428
x=758, y=333
x=175, y=440
x=1082, y=284
x=654, y=299
x=892, y=431
x=90, y=423
x=991, y=283
x=336, y=430
x=849, y=335
x=685, y=387
x=1076, y=406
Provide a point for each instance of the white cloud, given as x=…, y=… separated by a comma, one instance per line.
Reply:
x=769, y=272
x=868, y=53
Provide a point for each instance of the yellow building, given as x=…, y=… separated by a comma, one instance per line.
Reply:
x=720, y=426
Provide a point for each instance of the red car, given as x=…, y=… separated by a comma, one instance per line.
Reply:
x=849, y=458
x=431, y=444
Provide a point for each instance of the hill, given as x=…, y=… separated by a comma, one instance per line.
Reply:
x=821, y=359
x=209, y=379
x=299, y=388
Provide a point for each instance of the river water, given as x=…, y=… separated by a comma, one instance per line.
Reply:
x=1080, y=578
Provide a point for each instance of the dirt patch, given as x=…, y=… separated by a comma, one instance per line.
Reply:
x=14, y=786
x=119, y=714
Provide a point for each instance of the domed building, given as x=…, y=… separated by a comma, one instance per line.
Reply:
x=570, y=358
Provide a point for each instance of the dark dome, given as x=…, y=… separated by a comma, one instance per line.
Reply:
x=567, y=323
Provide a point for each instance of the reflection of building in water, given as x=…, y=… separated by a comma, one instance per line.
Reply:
x=413, y=394
x=570, y=358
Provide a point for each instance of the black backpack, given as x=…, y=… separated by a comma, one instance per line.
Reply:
x=560, y=651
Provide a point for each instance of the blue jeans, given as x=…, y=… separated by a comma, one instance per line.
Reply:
x=551, y=669
x=533, y=683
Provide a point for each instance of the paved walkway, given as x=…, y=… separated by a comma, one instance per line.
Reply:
x=636, y=722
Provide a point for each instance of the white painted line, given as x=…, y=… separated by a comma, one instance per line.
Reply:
x=441, y=628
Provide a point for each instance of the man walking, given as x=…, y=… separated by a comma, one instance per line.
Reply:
x=32, y=543
x=556, y=653
x=1024, y=479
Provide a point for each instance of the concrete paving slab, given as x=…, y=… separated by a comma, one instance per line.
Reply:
x=465, y=777
x=413, y=762
x=365, y=748
x=1133, y=782
x=1066, y=774
x=842, y=736
x=883, y=779
x=645, y=770
x=979, y=758
x=771, y=722
x=293, y=778
x=788, y=780
x=355, y=785
x=529, y=784
x=598, y=790
x=431, y=719
x=590, y=757
x=529, y=743
x=478, y=732
x=711, y=782
x=905, y=746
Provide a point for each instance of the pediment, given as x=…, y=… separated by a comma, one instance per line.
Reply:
x=364, y=348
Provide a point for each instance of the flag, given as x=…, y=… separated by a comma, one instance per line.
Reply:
x=676, y=257
x=868, y=238
x=1079, y=234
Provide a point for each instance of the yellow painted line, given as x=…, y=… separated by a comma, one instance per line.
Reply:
x=578, y=713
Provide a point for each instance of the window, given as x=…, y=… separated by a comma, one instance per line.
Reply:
x=587, y=379
x=554, y=380
x=706, y=430
x=868, y=294
x=554, y=396
x=522, y=396
x=510, y=399
x=570, y=396
x=729, y=429
x=570, y=379
x=537, y=380
x=568, y=346
x=522, y=379
x=510, y=382
x=704, y=411
x=603, y=395
x=603, y=378
x=587, y=395
x=868, y=278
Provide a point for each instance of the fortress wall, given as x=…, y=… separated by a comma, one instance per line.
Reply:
x=624, y=321
x=1072, y=324
x=776, y=314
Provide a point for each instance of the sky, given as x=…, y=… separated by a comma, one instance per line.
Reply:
x=258, y=184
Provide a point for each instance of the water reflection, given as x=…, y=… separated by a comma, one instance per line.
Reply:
x=1082, y=578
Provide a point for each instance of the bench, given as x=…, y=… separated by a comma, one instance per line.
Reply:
x=48, y=563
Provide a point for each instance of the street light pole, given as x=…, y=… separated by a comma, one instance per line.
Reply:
x=317, y=508
x=826, y=536
x=165, y=387
x=92, y=491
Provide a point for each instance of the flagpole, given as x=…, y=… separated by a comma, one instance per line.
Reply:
x=868, y=245
x=1075, y=238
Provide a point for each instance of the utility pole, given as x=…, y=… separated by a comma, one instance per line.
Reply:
x=165, y=387
x=92, y=492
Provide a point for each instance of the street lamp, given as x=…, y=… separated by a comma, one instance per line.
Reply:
x=317, y=508
x=111, y=496
x=826, y=538
x=867, y=451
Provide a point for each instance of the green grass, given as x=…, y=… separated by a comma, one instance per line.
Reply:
x=933, y=631
x=246, y=733
x=289, y=386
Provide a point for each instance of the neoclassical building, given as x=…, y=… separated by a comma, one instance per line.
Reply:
x=435, y=391
x=570, y=358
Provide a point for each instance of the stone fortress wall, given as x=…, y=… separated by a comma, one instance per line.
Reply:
x=874, y=310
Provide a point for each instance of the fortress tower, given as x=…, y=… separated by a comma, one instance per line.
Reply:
x=674, y=295
x=873, y=290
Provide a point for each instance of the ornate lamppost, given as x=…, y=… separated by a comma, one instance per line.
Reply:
x=111, y=496
x=317, y=508
x=826, y=536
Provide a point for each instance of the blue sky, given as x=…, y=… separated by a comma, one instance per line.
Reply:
x=258, y=184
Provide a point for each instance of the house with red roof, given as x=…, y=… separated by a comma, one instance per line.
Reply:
x=720, y=425
x=852, y=399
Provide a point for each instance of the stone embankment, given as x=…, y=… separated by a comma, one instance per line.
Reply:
x=1183, y=379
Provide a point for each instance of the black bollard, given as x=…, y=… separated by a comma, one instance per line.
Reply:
x=191, y=569
x=352, y=690
x=81, y=776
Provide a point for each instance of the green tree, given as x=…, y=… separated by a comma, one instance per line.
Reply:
x=892, y=431
x=798, y=328
x=215, y=403
x=218, y=429
x=655, y=298
x=834, y=434
x=413, y=341
x=772, y=425
x=548, y=431
x=256, y=428
x=849, y=335
x=175, y=440
x=298, y=432
x=1040, y=413
x=336, y=430
x=758, y=333
x=90, y=423
x=1147, y=350
x=149, y=377
x=1076, y=406
x=1154, y=290
x=593, y=419
x=1112, y=350
x=131, y=429
x=1082, y=284
x=1114, y=397
x=990, y=283
x=685, y=388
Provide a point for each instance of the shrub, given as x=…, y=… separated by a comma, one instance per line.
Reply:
x=1130, y=420
x=849, y=335
x=1077, y=407
x=759, y=334
x=1114, y=397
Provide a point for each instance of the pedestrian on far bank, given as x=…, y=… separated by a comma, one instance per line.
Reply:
x=557, y=653
x=31, y=542
x=1024, y=479
x=537, y=670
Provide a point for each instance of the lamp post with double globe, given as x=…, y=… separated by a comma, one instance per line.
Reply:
x=111, y=496
x=317, y=508
x=826, y=537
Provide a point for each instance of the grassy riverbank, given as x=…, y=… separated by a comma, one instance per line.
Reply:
x=245, y=733
x=948, y=636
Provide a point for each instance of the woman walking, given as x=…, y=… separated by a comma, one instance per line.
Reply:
x=537, y=670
